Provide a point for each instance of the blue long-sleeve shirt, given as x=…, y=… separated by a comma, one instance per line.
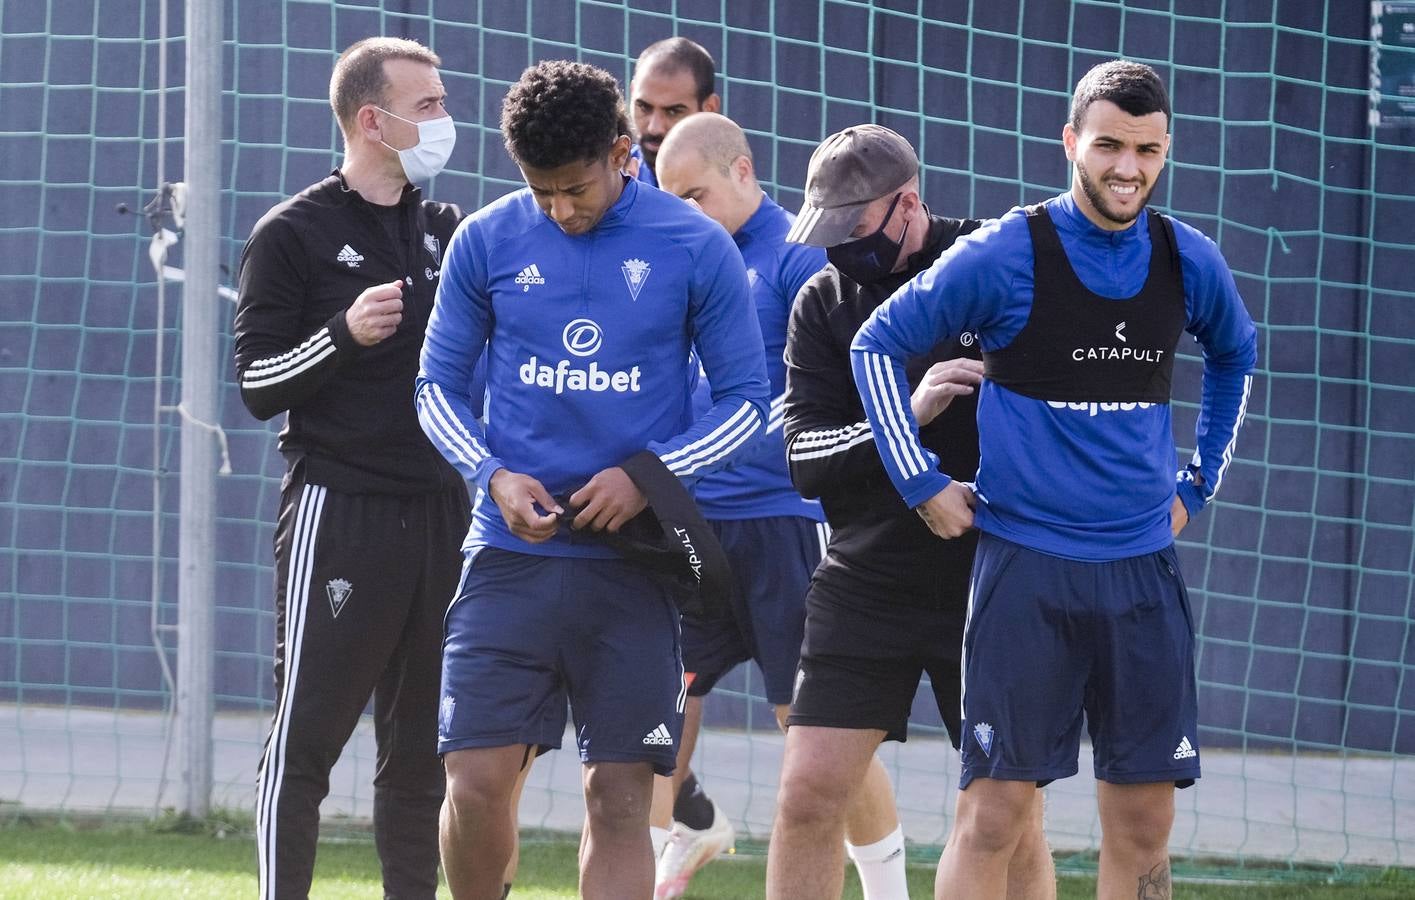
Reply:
x=587, y=339
x=758, y=484
x=1089, y=481
x=646, y=173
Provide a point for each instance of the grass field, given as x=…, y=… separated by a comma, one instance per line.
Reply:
x=137, y=862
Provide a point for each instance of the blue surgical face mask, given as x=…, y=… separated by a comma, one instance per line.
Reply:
x=436, y=138
x=872, y=257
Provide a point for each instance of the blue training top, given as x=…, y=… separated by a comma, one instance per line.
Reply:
x=758, y=483
x=1087, y=481
x=645, y=173
x=587, y=340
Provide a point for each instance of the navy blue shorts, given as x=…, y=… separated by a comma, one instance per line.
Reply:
x=1050, y=641
x=772, y=561
x=526, y=633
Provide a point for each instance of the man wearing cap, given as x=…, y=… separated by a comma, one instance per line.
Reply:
x=888, y=602
x=774, y=537
x=586, y=291
x=1077, y=611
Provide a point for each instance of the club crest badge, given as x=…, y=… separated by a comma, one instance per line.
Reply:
x=636, y=272
x=983, y=732
x=434, y=247
x=338, y=590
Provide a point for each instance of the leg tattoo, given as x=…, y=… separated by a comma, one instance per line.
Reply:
x=1155, y=884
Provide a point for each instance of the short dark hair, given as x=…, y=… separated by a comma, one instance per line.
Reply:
x=1134, y=87
x=561, y=112
x=359, y=77
x=680, y=54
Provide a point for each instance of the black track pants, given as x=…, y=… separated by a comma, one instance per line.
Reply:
x=362, y=581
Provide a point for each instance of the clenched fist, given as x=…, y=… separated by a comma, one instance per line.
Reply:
x=376, y=313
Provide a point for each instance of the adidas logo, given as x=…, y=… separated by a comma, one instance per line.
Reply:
x=350, y=257
x=1185, y=750
x=659, y=737
x=529, y=275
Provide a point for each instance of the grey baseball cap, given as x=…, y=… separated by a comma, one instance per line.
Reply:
x=850, y=169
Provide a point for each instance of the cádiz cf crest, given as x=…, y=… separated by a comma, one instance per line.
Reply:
x=983, y=732
x=338, y=590
x=636, y=272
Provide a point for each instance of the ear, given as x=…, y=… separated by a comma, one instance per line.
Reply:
x=619, y=152
x=1068, y=140
x=712, y=104
x=910, y=203
x=743, y=170
x=366, y=123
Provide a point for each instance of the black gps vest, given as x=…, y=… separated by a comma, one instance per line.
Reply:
x=1079, y=346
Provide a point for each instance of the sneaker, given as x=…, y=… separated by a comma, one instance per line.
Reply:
x=689, y=850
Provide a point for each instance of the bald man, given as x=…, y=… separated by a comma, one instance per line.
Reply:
x=773, y=537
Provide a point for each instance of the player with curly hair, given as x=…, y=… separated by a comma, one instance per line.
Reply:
x=586, y=291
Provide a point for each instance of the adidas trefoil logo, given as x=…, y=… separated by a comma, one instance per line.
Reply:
x=983, y=732
x=636, y=272
x=338, y=590
x=659, y=737
x=1185, y=750
x=350, y=257
x=529, y=275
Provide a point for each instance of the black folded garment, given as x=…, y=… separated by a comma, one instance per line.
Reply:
x=670, y=536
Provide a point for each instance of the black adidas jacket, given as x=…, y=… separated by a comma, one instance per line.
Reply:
x=880, y=551
x=351, y=424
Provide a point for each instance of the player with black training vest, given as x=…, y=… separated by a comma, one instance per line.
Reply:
x=1077, y=610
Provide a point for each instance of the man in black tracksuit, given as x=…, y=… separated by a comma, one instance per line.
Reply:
x=888, y=601
x=336, y=285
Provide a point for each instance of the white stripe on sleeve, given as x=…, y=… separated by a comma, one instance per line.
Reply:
x=884, y=394
x=447, y=429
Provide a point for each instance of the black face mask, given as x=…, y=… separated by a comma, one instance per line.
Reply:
x=872, y=257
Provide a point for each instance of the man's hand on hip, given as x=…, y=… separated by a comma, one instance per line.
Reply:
x=949, y=513
x=1178, y=516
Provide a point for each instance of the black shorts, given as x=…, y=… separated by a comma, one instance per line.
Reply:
x=862, y=660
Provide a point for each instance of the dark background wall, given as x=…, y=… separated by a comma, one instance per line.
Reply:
x=1301, y=575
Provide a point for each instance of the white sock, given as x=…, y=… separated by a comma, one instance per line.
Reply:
x=881, y=867
x=659, y=836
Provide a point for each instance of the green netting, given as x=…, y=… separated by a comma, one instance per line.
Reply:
x=1301, y=575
